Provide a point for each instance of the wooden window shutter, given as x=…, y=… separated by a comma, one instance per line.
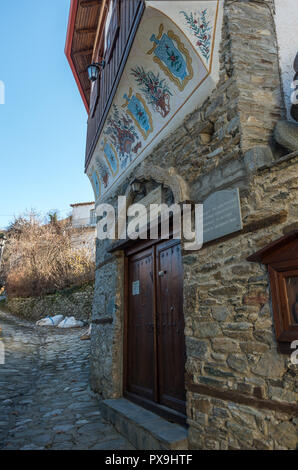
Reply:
x=113, y=30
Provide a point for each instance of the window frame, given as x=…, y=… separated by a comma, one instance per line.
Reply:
x=92, y=217
x=281, y=258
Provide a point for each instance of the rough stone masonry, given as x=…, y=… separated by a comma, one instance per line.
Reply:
x=242, y=394
x=45, y=401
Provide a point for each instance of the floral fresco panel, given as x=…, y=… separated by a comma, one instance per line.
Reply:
x=172, y=57
x=200, y=27
x=155, y=89
x=121, y=130
x=137, y=109
x=171, y=60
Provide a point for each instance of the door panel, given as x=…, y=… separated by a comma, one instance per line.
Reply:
x=155, y=326
x=170, y=329
x=140, y=368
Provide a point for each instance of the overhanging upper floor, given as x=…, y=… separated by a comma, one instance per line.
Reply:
x=161, y=62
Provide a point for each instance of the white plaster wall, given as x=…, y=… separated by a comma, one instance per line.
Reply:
x=81, y=214
x=286, y=19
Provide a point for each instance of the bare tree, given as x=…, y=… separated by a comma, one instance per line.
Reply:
x=39, y=258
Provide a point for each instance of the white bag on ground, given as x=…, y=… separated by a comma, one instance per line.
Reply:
x=70, y=322
x=50, y=321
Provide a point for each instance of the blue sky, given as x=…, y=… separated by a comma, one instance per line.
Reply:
x=43, y=120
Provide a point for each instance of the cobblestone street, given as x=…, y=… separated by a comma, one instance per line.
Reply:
x=45, y=401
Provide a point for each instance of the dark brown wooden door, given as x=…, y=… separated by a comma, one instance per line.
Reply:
x=140, y=367
x=170, y=326
x=155, y=349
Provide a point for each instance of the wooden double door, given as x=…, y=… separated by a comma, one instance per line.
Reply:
x=155, y=344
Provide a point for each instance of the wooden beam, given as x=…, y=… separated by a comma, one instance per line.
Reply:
x=240, y=398
x=100, y=27
x=91, y=3
x=86, y=31
x=83, y=52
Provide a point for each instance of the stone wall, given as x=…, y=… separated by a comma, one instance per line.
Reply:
x=83, y=238
x=107, y=327
x=75, y=301
x=241, y=392
x=230, y=335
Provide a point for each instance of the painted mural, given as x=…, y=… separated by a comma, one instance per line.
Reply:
x=170, y=61
x=172, y=57
x=121, y=130
x=155, y=89
x=104, y=172
x=95, y=184
x=139, y=112
x=200, y=26
x=111, y=156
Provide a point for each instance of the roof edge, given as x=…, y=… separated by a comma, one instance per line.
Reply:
x=82, y=204
x=69, y=37
x=273, y=246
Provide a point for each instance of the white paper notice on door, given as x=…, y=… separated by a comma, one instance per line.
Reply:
x=136, y=288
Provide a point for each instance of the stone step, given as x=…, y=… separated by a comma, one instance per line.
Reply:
x=144, y=429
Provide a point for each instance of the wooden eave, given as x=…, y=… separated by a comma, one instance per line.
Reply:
x=267, y=253
x=81, y=34
x=82, y=204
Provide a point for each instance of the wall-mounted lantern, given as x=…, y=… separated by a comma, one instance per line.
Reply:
x=138, y=188
x=94, y=70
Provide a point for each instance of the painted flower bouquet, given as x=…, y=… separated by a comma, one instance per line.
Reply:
x=155, y=90
x=202, y=31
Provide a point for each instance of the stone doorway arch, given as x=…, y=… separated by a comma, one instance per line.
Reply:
x=167, y=177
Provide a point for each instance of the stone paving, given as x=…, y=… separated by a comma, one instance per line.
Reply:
x=45, y=402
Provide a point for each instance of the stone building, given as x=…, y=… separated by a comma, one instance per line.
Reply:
x=83, y=224
x=83, y=214
x=192, y=103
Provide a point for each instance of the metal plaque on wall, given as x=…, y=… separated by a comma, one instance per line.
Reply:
x=222, y=214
